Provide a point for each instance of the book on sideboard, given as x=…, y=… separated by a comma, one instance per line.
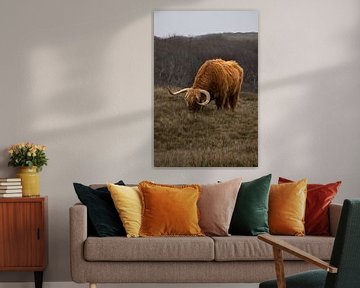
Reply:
x=10, y=187
x=10, y=180
x=10, y=191
x=9, y=184
x=9, y=195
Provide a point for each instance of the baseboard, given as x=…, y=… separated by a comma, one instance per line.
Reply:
x=74, y=285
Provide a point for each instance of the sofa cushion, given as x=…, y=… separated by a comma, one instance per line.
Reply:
x=169, y=210
x=250, y=215
x=149, y=249
x=127, y=201
x=287, y=204
x=244, y=248
x=216, y=206
x=102, y=216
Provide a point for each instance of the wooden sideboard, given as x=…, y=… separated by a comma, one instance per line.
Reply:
x=23, y=235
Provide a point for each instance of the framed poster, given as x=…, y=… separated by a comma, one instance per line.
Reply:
x=205, y=89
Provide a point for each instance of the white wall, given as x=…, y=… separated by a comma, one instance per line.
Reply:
x=77, y=77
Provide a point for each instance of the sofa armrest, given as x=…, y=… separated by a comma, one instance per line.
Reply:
x=334, y=217
x=78, y=235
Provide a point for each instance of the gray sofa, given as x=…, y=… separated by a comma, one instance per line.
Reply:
x=234, y=259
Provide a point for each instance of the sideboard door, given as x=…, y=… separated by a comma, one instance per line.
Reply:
x=22, y=242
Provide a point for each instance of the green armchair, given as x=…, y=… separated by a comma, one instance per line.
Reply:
x=344, y=268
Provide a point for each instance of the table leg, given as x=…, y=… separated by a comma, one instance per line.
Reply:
x=38, y=279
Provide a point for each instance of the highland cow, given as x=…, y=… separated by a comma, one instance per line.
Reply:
x=217, y=80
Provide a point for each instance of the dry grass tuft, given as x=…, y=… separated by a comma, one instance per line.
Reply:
x=208, y=138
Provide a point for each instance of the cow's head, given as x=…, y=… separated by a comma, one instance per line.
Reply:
x=195, y=98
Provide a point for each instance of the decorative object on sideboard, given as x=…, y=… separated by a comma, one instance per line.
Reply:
x=10, y=187
x=30, y=158
x=31, y=181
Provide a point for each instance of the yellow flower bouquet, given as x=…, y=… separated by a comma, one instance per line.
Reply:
x=27, y=155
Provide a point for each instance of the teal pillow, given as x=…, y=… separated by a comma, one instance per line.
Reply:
x=250, y=216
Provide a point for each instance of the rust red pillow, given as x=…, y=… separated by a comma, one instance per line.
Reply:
x=319, y=197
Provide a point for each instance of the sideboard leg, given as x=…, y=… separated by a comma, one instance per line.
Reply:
x=38, y=279
x=92, y=285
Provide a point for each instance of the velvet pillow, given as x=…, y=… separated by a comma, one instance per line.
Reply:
x=287, y=204
x=127, y=201
x=250, y=215
x=319, y=197
x=216, y=206
x=102, y=214
x=169, y=210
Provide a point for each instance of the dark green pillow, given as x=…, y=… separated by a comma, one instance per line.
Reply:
x=103, y=218
x=250, y=216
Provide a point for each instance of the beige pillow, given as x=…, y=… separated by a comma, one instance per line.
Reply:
x=216, y=206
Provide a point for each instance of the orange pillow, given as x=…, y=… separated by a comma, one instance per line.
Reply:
x=287, y=204
x=169, y=210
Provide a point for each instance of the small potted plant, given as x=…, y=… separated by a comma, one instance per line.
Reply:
x=30, y=158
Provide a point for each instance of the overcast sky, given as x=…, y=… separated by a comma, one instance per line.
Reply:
x=191, y=23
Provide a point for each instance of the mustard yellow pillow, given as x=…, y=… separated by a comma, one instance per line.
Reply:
x=169, y=210
x=287, y=204
x=127, y=201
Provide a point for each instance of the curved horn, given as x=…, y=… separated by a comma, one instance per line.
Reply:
x=207, y=94
x=178, y=92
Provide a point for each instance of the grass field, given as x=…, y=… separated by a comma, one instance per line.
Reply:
x=208, y=138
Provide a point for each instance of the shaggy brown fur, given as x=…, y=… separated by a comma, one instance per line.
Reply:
x=222, y=79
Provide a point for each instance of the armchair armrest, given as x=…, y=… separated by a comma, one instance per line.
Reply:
x=279, y=246
x=284, y=246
